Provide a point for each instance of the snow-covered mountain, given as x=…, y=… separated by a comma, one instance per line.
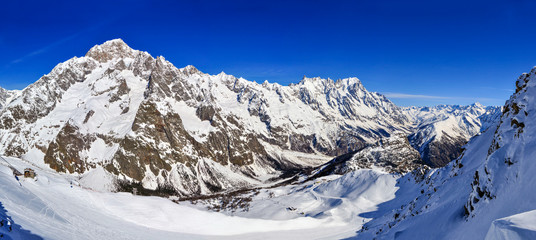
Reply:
x=442, y=130
x=486, y=192
x=143, y=119
x=119, y=113
x=474, y=195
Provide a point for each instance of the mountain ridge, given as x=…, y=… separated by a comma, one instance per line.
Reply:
x=146, y=121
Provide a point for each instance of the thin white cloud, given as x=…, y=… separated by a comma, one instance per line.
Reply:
x=392, y=95
x=498, y=89
x=414, y=96
x=44, y=49
x=36, y=52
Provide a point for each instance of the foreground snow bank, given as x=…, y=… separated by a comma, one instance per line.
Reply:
x=11, y=230
x=54, y=206
x=519, y=226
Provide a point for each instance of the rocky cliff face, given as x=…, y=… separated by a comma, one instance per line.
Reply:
x=393, y=154
x=6, y=96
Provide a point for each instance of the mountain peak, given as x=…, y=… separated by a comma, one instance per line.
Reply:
x=477, y=104
x=314, y=80
x=115, y=48
x=349, y=81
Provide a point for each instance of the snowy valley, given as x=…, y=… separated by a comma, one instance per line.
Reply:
x=127, y=146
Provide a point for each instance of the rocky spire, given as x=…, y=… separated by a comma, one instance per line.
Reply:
x=3, y=97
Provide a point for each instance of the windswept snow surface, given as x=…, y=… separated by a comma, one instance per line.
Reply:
x=519, y=226
x=55, y=206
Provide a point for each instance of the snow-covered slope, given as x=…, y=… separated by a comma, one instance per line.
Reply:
x=55, y=206
x=337, y=199
x=148, y=122
x=516, y=227
x=493, y=179
x=442, y=130
x=10, y=230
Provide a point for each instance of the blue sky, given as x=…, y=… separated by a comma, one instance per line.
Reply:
x=415, y=52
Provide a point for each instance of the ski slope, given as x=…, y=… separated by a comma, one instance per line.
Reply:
x=57, y=206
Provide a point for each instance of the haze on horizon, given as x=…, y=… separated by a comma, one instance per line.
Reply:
x=416, y=53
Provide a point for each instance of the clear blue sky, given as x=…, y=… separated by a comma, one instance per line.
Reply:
x=415, y=52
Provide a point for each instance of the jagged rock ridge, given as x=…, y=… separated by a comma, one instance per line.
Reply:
x=394, y=154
